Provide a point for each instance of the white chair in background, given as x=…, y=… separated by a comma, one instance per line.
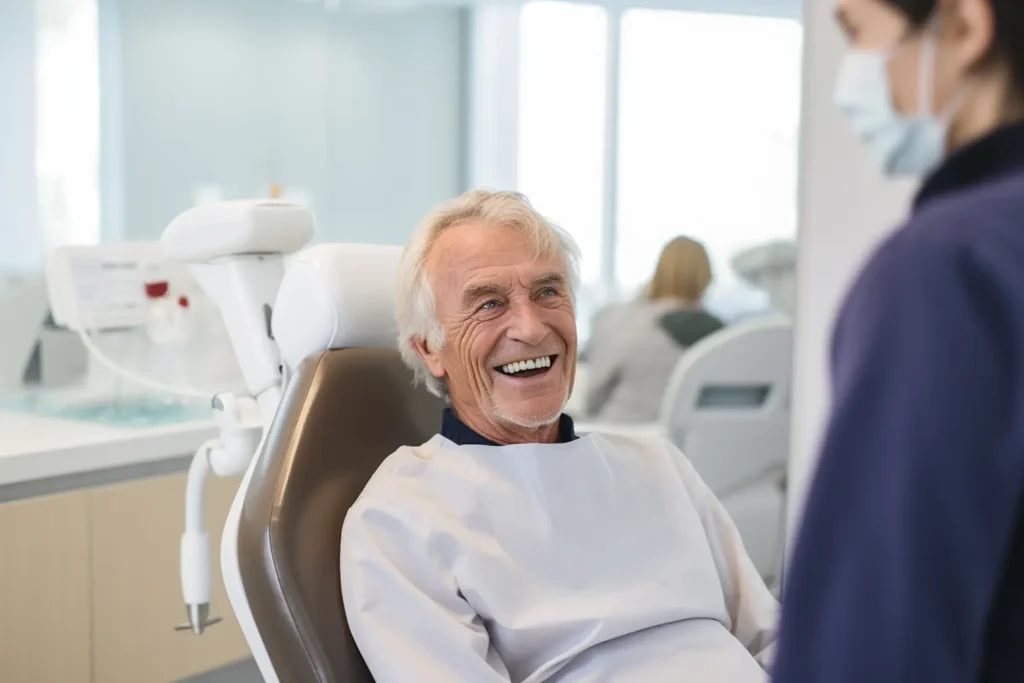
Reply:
x=728, y=409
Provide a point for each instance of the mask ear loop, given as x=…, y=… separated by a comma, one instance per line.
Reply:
x=926, y=74
x=926, y=78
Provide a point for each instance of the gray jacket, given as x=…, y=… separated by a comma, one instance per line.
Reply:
x=631, y=353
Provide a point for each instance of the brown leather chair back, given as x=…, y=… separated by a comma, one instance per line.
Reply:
x=342, y=414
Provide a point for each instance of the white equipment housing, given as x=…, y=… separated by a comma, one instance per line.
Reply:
x=235, y=250
x=101, y=287
x=232, y=228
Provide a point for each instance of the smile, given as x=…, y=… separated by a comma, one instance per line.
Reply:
x=527, y=368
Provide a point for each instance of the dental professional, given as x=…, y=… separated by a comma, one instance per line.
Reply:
x=909, y=565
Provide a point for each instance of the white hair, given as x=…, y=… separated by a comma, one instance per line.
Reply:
x=414, y=298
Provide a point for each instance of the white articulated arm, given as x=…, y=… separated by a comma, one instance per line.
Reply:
x=240, y=431
x=235, y=250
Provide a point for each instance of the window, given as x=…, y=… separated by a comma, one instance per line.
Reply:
x=562, y=94
x=709, y=108
x=706, y=110
x=67, y=128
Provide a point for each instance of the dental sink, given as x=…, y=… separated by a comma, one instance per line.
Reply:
x=133, y=411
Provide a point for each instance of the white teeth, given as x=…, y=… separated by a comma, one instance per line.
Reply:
x=532, y=364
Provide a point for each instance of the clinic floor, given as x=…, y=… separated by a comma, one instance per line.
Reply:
x=243, y=672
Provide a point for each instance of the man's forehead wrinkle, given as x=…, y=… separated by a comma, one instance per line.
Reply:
x=454, y=266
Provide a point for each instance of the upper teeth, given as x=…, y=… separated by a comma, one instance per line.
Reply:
x=533, y=364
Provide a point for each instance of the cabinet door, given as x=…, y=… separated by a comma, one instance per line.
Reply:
x=136, y=529
x=44, y=590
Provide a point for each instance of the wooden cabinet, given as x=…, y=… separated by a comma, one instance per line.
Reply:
x=45, y=590
x=90, y=590
x=135, y=532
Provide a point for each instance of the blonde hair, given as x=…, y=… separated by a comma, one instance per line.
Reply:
x=683, y=271
x=415, y=309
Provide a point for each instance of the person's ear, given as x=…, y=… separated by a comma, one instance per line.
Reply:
x=431, y=359
x=970, y=26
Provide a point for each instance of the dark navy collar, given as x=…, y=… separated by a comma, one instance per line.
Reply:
x=456, y=431
x=998, y=153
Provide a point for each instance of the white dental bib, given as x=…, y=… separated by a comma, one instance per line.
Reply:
x=602, y=559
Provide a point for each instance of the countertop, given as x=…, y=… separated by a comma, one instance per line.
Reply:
x=34, y=447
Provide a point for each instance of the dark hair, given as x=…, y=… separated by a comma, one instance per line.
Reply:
x=1008, y=42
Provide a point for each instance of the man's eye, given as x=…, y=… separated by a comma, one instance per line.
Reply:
x=489, y=304
x=549, y=291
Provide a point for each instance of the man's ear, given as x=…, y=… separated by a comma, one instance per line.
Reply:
x=429, y=357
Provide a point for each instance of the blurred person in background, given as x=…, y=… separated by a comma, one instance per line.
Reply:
x=634, y=346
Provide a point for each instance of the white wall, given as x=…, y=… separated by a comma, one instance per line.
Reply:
x=20, y=243
x=362, y=110
x=845, y=208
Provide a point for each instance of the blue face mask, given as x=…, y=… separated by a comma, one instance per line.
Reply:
x=902, y=145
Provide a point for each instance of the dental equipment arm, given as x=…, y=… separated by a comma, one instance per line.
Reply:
x=235, y=250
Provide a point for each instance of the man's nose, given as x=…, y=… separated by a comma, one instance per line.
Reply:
x=527, y=326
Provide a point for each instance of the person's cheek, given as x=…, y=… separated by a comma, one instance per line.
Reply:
x=474, y=356
x=903, y=81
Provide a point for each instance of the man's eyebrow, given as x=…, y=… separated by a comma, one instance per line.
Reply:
x=550, y=279
x=474, y=292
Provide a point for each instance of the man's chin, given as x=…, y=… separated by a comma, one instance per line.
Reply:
x=528, y=422
x=529, y=419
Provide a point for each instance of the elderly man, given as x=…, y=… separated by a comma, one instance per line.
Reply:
x=507, y=548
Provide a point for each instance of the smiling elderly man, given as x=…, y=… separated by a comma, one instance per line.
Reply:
x=507, y=548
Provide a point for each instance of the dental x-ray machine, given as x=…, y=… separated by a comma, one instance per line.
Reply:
x=236, y=252
x=280, y=303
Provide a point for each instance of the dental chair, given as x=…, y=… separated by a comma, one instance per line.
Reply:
x=348, y=404
x=327, y=399
x=316, y=343
x=727, y=407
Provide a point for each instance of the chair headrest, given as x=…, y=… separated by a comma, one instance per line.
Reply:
x=336, y=296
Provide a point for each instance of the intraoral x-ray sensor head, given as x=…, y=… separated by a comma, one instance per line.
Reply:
x=243, y=226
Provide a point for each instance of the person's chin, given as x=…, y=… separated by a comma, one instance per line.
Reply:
x=529, y=402
x=531, y=413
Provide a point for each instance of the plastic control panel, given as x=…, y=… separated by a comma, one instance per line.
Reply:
x=104, y=286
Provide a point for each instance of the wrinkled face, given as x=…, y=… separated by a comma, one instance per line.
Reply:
x=509, y=356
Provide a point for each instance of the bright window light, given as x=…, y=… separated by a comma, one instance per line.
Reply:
x=67, y=132
x=709, y=113
x=562, y=86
